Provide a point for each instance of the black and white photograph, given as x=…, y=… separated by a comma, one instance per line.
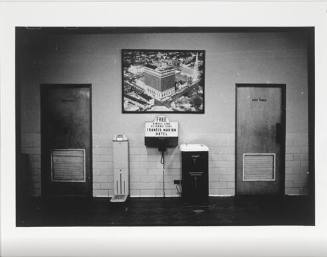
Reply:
x=159, y=81
x=192, y=137
x=83, y=162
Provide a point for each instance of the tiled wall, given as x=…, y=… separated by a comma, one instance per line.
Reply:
x=146, y=170
x=296, y=164
x=230, y=58
x=31, y=147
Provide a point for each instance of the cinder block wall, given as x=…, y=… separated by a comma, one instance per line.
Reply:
x=296, y=164
x=230, y=58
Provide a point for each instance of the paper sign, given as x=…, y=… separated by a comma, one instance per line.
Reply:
x=161, y=127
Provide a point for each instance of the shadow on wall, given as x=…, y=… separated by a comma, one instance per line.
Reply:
x=23, y=181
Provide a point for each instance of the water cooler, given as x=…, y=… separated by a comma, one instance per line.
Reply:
x=121, y=168
x=195, y=186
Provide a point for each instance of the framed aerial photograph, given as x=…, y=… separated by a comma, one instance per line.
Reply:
x=163, y=81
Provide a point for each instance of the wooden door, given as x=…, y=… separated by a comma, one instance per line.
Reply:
x=66, y=140
x=260, y=139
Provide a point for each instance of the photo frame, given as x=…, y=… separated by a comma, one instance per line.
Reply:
x=163, y=81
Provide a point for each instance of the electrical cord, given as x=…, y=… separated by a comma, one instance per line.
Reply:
x=162, y=161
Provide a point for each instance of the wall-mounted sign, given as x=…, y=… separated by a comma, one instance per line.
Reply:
x=259, y=99
x=161, y=127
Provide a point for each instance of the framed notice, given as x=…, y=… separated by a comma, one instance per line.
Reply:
x=163, y=81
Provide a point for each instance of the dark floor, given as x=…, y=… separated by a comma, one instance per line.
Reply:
x=167, y=212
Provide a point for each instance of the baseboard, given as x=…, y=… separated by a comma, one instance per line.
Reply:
x=153, y=196
x=171, y=196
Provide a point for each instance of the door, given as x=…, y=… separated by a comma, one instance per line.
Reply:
x=260, y=139
x=66, y=140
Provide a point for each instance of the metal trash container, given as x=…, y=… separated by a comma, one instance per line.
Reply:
x=195, y=186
